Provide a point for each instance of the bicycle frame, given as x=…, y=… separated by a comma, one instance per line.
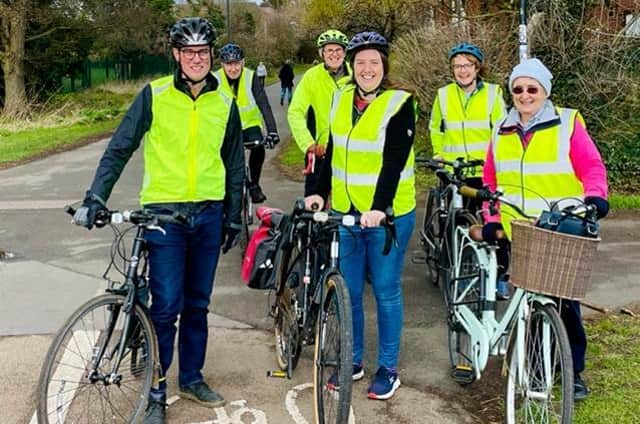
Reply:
x=488, y=336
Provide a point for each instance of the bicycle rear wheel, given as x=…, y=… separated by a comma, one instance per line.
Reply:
x=542, y=392
x=76, y=387
x=464, y=289
x=246, y=221
x=447, y=262
x=431, y=235
x=288, y=340
x=333, y=354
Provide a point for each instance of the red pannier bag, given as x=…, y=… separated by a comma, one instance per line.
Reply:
x=259, y=260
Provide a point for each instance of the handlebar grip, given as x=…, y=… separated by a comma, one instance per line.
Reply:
x=467, y=191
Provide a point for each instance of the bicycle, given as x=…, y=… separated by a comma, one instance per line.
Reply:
x=104, y=360
x=444, y=211
x=247, y=203
x=312, y=298
x=530, y=333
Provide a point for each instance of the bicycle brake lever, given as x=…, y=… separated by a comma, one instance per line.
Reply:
x=155, y=227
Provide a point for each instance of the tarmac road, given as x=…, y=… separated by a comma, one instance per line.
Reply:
x=57, y=266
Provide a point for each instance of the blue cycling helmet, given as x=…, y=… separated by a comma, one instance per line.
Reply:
x=231, y=53
x=192, y=32
x=467, y=48
x=367, y=40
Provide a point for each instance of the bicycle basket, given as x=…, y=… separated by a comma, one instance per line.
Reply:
x=550, y=262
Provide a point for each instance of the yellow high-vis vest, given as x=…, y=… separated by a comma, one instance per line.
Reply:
x=467, y=127
x=182, y=161
x=541, y=174
x=357, y=152
x=250, y=115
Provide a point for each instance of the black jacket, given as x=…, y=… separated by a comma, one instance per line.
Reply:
x=286, y=75
x=137, y=122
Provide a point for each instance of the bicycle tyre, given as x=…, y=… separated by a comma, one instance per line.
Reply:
x=65, y=388
x=333, y=354
x=521, y=405
x=462, y=219
x=287, y=335
x=460, y=348
x=246, y=220
x=431, y=233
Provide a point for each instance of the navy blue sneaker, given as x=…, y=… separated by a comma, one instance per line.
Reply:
x=580, y=389
x=357, y=374
x=384, y=385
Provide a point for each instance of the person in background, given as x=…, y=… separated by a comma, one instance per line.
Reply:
x=540, y=154
x=369, y=167
x=205, y=187
x=261, y=72
x=286, y=82
x=463, y=115
x=308, y=114
x=242, y=84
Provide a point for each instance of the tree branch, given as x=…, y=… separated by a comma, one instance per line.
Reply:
x=44, y=34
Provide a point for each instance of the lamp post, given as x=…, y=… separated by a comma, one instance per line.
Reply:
x=228, y=22
x=523, y=48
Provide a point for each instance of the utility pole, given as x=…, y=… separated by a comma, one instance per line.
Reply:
x=523, y=48
x=228, y=23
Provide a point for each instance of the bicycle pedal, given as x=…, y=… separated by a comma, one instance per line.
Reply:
x=463, y=374
x=419, y=258
x=277, y=374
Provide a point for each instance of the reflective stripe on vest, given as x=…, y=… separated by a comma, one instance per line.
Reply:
x=357, y=152
x=541, y=174
x=182, y=161
x=467, y=130
x=250, y=115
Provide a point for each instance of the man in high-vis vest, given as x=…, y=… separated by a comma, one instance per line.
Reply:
x=194, y=166
x=308, y=113
x=244, y=85
x=541, y=154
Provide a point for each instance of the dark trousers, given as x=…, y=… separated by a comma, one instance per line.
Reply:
x=182, y=266
x=256, y=160
x=572, y=318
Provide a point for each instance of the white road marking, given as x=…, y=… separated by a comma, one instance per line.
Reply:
x=294, y=411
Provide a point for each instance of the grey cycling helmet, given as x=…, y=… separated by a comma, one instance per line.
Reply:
x=231, y=53
x=367, y=40
x=192, y=32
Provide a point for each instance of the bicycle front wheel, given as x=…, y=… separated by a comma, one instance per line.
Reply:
x=542, y=391
x=84, y=380
x=431, y=235
x=333, y=354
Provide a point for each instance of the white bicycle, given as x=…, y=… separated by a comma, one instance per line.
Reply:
x=538, y=366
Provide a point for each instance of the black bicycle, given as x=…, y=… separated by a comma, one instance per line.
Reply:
x=103, y=362
x=444, y=211
x=312, y=306
x=247, y=204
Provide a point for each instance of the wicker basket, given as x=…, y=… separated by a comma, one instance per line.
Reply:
x=551, y=263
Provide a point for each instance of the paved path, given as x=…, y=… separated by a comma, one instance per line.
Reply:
x=57, y=266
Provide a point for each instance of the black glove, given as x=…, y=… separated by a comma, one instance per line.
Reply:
x=602, y=205
x=91, y=207
x=274, y=139
x=229, y=238
x=490, y=232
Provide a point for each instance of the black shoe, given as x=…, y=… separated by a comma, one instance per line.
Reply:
x=257, y=196
x=202, y=394
x=156, y=410
x=580, y=389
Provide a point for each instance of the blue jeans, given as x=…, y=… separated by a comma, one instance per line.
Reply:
x=285, y=92
x=182, y=266
x=361, y=257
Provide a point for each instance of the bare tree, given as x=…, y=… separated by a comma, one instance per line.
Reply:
x=13, y=24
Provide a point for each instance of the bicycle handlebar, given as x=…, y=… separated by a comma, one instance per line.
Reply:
x=457, y=165
x=264, y=141
x=138, y=217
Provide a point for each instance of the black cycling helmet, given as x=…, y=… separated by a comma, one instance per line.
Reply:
x=332, y=36
x=231, y=53
x=467, y=48
x=192, y=32
x=367, y=40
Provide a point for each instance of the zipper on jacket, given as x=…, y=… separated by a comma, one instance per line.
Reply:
x=192, y=152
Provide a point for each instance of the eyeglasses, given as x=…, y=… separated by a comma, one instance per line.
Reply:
x=465, y=66
x=530, y=89
x=189, y=54
x=333, y=51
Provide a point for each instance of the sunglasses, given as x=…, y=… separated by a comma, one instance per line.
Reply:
x=518, y=89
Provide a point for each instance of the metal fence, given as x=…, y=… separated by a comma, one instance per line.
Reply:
x=101, y=71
